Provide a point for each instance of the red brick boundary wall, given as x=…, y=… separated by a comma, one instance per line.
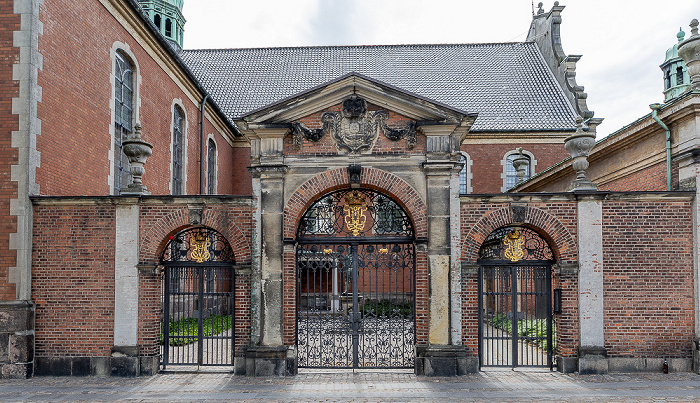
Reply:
x=555, y=221
x=385, y=182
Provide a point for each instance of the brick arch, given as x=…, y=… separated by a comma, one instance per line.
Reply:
x=560, y=239
x=371, y=178
x=157, y=236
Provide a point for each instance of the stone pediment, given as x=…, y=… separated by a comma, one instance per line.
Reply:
x=372, y=91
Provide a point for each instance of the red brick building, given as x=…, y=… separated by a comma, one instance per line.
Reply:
x=257, y=210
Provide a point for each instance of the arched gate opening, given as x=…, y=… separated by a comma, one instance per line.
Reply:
x=198, y=282
x=516, y=328
x=355, y=262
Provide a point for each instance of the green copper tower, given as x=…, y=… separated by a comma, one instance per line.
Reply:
x=167, y=15
x=676, y=79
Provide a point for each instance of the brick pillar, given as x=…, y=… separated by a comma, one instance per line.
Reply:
x=592, y=354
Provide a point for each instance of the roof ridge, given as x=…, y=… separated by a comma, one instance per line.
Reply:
x=359, y=46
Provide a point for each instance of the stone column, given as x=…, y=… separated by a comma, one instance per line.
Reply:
x=441, y=357
x=125, y=352
x=687, y=149
x=268, y=356
x=592, y=354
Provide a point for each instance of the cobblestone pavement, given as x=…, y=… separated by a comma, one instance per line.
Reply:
x=383, y=386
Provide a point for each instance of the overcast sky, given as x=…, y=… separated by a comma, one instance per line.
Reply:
x=622, y=41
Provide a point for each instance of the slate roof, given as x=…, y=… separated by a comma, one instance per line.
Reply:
x=508, y=84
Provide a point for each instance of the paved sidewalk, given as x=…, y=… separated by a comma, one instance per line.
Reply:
x=383, y=386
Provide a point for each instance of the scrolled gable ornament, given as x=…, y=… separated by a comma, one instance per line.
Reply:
x=301, y=132
x=408, y=132
x=354, y=129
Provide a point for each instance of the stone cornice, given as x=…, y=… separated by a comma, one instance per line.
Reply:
x=142, y=200
x=575, y=196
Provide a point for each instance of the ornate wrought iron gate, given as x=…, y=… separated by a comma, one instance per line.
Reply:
x=516, y=328
x=355, y=283
x=198, y=322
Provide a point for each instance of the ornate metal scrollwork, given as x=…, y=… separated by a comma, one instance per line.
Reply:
x=200, y=245
x=355, y=213
x=515, y=244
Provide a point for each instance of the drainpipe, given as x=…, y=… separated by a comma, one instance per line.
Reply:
x=202, y=142
x=654, y=109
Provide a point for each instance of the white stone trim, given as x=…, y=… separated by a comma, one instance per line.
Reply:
x=470, y=173
x=126, y=275
x=26, y=72
x=136, y=102
x=210, y=137
x=455, y=261
x=590, y=247
x=533, y=164
x=178, y=102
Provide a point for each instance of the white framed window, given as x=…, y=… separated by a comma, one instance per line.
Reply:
x=211, y=166
x=178, y=152
x=465, y=174
x=124, y=106
x=510, y=175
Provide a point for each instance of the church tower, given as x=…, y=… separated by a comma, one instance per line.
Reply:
x=676, y=79
x=167, y=15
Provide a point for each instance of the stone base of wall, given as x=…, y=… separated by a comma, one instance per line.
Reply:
x=122, y=363
x=594, y=360
x=270, y=361
x=16, y=339
x=445, y=361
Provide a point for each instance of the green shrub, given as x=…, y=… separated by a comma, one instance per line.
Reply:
x=386, y=307
x=534, y=328
x=211, y=326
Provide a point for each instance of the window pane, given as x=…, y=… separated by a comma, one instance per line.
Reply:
x=512, y=174
x=463, y=176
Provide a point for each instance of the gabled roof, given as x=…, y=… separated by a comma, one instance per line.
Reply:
x=509, y=85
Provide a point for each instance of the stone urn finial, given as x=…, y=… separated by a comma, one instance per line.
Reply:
x=579, y=145
x=138, y=151
x=521, y=163
x=689, y=51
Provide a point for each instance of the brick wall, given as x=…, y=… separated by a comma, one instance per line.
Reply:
x=556, y=221
x=73, y=270
x=8, y=155
x=487, y=158
x=75, y=140
x=652, y=178
x=648, y=278
x=73, y=280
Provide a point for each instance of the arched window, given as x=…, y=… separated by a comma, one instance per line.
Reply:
x=679, y=75
x=156, y=20
x=178, y=150
x=511, y=174
x=465, y=174
x=211, y=167
x=123, y=117
x=168, y=27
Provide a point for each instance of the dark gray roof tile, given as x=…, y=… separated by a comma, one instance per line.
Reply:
x=508, y=84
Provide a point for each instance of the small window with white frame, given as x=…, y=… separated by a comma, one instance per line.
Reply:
x=510, y=174
x=211, y=167
x=465, y=174
x=178, y=150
